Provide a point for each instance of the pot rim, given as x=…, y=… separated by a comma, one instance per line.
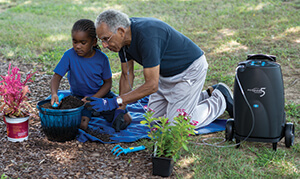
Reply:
x=12, y=120
x=54, y=110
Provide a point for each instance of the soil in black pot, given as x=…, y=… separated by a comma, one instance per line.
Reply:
x=68, y=102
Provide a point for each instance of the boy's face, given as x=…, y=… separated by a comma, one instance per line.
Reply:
x=83, y=44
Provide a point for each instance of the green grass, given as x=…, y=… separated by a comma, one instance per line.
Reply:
x=39, y=31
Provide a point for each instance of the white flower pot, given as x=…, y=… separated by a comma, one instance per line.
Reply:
x=17, y=128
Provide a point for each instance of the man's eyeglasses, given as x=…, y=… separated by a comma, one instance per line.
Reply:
x=106, y=39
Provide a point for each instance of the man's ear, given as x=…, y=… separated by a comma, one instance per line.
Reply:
x=121, y=30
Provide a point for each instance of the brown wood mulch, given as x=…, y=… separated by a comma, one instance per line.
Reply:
x=40, y=158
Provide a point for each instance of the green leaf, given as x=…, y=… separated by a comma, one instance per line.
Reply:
x=144, y=122
x=185, y=147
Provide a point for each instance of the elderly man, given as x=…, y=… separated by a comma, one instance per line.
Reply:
x=174, y=69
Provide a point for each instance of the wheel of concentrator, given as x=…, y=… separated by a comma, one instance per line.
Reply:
x=289, y=134
x=237, y=143
x=229, y=130
x=274, y=146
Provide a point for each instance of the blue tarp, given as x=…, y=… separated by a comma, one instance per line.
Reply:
x=135, y=130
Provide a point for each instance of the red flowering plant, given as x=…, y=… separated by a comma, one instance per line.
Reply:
x=13, y=92
x=169, y=138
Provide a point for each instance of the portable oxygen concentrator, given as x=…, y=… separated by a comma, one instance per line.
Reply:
x=259, y=103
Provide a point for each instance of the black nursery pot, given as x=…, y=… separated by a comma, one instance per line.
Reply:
x=162, y=166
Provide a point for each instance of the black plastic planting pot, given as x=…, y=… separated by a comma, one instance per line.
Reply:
x=162, y=166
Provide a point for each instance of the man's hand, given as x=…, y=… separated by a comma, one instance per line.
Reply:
x=102, y=104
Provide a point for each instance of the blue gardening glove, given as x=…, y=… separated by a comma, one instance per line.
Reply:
x=118, y=122
x=101, y=104
x=108, y=115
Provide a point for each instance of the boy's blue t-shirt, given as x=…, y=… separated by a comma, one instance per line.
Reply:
x=154, y=42
x=85, y=75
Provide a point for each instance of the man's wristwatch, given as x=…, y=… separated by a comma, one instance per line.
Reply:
x=119, y=101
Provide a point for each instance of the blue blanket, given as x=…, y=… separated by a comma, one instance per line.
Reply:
x=135, y=130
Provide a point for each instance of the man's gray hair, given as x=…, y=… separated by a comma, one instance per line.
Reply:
x=114, y=19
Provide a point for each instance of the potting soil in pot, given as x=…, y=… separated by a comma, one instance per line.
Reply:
x=68, y=102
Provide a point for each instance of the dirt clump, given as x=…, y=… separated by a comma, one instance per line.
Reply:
x=102, y=136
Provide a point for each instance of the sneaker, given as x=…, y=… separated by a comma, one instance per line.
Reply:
x=225, y=90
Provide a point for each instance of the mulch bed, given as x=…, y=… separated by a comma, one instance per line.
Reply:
x=40, y=158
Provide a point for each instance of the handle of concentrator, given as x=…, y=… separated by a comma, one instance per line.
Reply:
x=261, y=56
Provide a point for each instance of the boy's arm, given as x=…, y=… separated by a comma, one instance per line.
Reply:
x=54, y=85
x=107, y=84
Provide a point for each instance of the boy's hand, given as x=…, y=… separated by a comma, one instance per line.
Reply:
x=118, y=122
x=60, y=97
x=101, y=104
x=54, y=99
x=84, y=99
